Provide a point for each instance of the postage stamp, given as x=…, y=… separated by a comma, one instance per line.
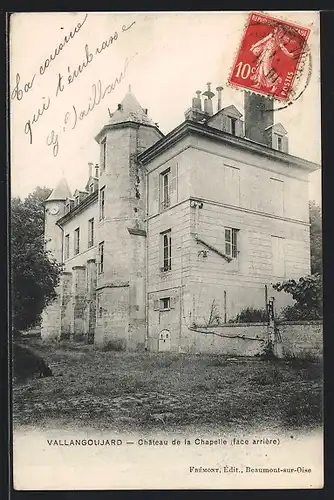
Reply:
x=269, y=56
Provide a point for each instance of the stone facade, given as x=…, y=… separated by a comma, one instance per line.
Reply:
x=168, y=225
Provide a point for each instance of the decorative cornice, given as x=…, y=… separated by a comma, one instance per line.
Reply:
x=189, y=127
x=91, y=198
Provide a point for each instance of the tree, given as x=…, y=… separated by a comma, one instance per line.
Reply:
x=307, y=293
x=35, y=274
x=315, y=237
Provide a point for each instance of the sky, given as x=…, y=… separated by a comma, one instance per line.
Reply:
x=170, y=56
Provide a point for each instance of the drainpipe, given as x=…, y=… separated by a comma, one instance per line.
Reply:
x=225, y=308
x=196, y=219
x=146, y=262
x=62, y=242
x=266, y=300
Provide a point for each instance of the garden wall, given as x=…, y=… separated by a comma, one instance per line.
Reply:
x=300, y=339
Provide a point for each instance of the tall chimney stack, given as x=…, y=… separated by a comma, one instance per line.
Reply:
x=219, y=92
x=90, y=169
x=208, y=109
x=197, y=103
x=96, y=170
x=259, y=115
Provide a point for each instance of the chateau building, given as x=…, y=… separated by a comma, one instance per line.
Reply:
x=170, y=230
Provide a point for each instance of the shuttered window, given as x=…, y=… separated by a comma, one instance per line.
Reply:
x=103, y=154
x=67, y=246
x=101, y=257
x=231, y=185
x=277, y=197
x=77, y=241
x=91, y=232
x=102, y=202
x=231, y=242
x=166, y=253
x=165, y=189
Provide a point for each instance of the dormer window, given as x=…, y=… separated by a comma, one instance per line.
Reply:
x=277, y=137
x=233, y=122
x=91, y=188
x=279, y=143
x=77, y=200
x=67, y=207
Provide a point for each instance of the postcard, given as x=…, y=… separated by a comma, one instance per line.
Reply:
x=166, y=250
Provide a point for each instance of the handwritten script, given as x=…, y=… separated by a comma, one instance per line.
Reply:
x=74, y=116
x=68, y=78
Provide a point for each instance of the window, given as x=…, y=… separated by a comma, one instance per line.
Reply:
x=277, y=197
x=101, y=256
x=279, y=143
x=77, y=200
x=77, y=241
x=67, y=246
x=231, y=242
x=91, y=188
x=165, y=189
x=102, y=202
x=165, y=304
x=278, y=257
x=103, y=154
x=231, y=185
x=233, y=122
x=166, y=251
x=91, y=232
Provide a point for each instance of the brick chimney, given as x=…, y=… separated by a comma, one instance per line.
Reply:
x=208, y=109
x=259, y=115
x=90, y=169
x=195, y=113
x=219, y=94
x=197, y=102
x=96, y=170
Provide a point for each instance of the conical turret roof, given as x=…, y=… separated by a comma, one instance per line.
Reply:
x=61, y=191
x=130, y=111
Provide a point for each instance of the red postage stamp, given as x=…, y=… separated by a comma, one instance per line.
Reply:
x=269, y=56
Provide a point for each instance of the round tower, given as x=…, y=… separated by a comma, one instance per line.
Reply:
x=54, y=210
x=120, y=232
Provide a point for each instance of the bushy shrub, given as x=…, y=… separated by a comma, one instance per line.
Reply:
x=307, y=293
x=250, y=315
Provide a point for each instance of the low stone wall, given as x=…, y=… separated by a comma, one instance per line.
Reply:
x=299, y=339
x=302, y=338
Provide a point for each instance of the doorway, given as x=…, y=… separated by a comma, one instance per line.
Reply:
x=164, y=341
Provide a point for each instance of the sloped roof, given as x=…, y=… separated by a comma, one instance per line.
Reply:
x=278, y=128
x=61, y=191
x=130, y=111
x=232, y=109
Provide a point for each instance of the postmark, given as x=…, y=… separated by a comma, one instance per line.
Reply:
x=270, y=57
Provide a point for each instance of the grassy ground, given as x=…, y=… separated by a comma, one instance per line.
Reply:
x=148, y=391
